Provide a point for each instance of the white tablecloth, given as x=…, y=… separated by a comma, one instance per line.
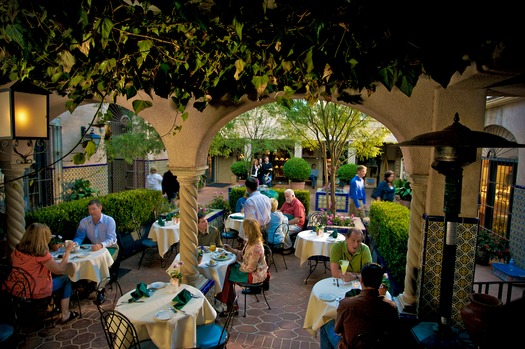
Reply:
x=319, y=312
x=308, y=244
x=165, y=236
x=87, y=264
x=233, y=223
x=216, y=273
x=177, y=332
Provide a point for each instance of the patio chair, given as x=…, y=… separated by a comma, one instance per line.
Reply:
x=148, y=245
x=120, y=331
x=278, y=247
x=214, y=335
x=108, y=293
x=231, y=235
x=255, y=288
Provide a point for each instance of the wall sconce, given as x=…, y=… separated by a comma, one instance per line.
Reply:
x=91, y=136
x=24, y=111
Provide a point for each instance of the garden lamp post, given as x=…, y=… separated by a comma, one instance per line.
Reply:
x=24, y=115
x=455, y=147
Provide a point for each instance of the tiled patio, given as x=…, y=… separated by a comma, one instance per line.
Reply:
x=280, y=327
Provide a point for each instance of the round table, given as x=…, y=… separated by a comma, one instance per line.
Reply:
x=166, y=236
x=308, y=244
x=86, y=264
x=319, y=311
x=234, y=221
x=217, y=272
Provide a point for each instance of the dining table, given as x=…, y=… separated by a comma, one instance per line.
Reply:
x=216, y=270
x=86, y=264
x=234, y=221
x=324, y=300
x=156, y=318
x=165, y=235
x=311, y=247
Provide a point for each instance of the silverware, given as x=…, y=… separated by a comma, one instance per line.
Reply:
x=194, y=296
x=337, y=280
x=130, y=302
x=177, y=310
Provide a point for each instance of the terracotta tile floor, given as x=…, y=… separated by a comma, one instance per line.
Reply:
x=280, y=327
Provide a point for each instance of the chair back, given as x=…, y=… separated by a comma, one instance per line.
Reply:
x=228, y=325
x=267, y=253
x=119, y=331
x=18, y=283
x=314, y=220
x=284, y=228
x=107, y=294
x=369, y=340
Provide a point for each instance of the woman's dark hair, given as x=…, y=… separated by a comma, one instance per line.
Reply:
x=388, y=174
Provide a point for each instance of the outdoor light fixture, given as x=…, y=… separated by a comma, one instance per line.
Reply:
x=455, y=147
x=24, y=111
x=91, y=136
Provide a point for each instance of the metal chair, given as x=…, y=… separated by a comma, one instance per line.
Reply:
x=214, y=336
x=231, y=235
x=278, y=247
x=120, y=331
x=255, y=288
x=108, y=293
x=148, y=245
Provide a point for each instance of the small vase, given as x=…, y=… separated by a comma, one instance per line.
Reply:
x=480, y=316
x=383, y=290
x=174, y=284
x=54, y=247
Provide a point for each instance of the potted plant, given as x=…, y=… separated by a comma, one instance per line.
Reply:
x=404, y=191
x=240, y=169
x=490, y=246
x=385, y=285
x=296, y=170
x=345, y=173
x=219, y=203
x=55, y=242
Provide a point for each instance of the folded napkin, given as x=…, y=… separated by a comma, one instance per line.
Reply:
x=181, y=299
x=237, y=217
x=140, y=291
x=334, y=234
x=160, y=221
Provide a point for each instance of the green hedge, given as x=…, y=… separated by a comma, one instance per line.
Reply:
x=302, y=195
x=389, y=224
x=64, y=218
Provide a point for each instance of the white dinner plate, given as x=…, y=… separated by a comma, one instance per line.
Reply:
x=164, y=315
x=157, y=285
x=327, y=297
x=219, y=256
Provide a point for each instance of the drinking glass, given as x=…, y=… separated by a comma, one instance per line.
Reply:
x=344, y=265
x=212, y=247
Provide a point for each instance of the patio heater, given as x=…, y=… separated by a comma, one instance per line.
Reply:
x=454, y=148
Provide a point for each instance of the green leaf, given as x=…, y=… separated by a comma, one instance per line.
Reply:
x=140, y=105
x=238, y=28
x=91, y=149
x=79, y=159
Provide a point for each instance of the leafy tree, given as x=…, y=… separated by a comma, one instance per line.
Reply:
x=218, y=51
x=331, y=127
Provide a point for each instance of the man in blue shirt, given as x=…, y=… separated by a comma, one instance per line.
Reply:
x=314, y=173
x=357, y=193
x=100, y=230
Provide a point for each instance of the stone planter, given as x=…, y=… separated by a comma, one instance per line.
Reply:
x=480, y=316
x=297, y=185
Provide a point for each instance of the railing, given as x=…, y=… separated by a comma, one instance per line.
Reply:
x=504, y=288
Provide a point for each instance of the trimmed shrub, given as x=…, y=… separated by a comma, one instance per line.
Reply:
x=346, y=172
x=240, y=169
x=296, y=170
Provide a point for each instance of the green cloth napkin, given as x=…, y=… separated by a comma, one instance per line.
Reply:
x=353, y=292
x=160, y=221
x=181, y=299
x=237, y=217
x=334, y=234
x=140, y=291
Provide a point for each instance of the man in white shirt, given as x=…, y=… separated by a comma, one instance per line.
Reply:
x=257, y=205
x=154, y=180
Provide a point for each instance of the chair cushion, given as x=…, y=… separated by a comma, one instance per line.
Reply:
x=230, y=235
x=149, y=243
x=208, y=336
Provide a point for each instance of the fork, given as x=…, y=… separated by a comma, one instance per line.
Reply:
x=177, y=310
x=194, y=296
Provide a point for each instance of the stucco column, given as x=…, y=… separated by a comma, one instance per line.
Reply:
x=14, y=197
x=408, y=298
x=189, y=179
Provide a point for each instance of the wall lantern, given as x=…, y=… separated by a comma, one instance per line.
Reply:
x=24, y=111
x=91, y=136
x=455, y=147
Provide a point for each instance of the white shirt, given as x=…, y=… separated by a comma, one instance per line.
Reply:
x=154, y=181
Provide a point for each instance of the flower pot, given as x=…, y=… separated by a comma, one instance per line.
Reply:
x=54, y=247
x=479, y=317
x=297, y=185
x=383, y=290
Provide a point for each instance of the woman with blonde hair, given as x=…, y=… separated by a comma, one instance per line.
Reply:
x=251, y=264
x=32, y=255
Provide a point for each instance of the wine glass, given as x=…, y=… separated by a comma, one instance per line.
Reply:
x=344, y=265
x=213, y=247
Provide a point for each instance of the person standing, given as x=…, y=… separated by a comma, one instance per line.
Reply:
x=386, y=190
x=368, y=312
x=257, y=205
x=314, y=173
x=154, y=180
x=267, y=172
x=32, y=255
x=256, y=169
x=170, y=185
x=353, y=250
x=357, y=193
x=101, y=231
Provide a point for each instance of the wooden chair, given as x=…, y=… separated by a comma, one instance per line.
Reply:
x=107, y=294
x=278, y=247
x=256, y=288
x=120, y=331
x=214, y=336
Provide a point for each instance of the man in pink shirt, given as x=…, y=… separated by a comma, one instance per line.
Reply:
x=294, y=210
